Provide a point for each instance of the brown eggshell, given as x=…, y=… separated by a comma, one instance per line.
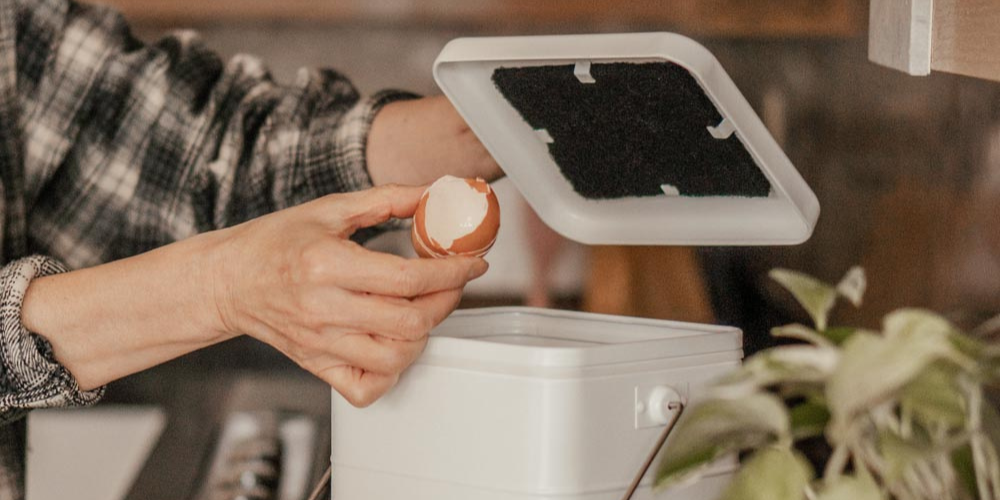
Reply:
x=417, y=246
x=479, y=241
x=476, y=243
x=418, y=234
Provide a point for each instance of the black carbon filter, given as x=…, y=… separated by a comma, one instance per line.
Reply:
x=637, y=127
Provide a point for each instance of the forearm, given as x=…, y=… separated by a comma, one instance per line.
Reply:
x=415, y=142
x=120, y=318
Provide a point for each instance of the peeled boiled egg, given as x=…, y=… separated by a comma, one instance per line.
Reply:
x=456, y=216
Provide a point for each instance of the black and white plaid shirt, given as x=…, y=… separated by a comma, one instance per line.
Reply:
x=109, y=147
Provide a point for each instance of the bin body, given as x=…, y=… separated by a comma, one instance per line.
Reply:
x=528, y=404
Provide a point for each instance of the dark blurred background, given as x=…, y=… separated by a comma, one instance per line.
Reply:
x=907, y=169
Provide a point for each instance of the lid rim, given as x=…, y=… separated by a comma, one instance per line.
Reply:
x=614, y=339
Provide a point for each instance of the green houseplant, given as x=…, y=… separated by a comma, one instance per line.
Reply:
x=902, y=409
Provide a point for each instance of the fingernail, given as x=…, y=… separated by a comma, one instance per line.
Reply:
x=478, y=269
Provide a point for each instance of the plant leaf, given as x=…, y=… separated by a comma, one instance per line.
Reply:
x=853, y=285
x=989, y=327
x=809, y=419
x=901, y=454
x=816, y=297
x=772, y=473
x=717, y=427
x=935, y=396
x=986, y=355
x=974, y=462
x=839, y=334
x=920, y=325
x=801, y=332
x=910, y=321
x=987, y=466
x=793, y=364
x=989, y=442
x=961, y=461
x=861, y=487
x=873, y=369
x=991, y=422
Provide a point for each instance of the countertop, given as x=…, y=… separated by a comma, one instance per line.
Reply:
x=198, y=391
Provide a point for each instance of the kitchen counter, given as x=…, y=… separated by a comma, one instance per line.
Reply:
x=198, y=391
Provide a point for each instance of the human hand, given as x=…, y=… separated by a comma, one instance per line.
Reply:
x=353, y=317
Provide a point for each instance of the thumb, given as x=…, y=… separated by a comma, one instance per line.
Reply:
x=359, y=387
x=374, y=206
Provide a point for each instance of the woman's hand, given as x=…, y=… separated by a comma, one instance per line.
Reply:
x=293, y=279
x=353, y=317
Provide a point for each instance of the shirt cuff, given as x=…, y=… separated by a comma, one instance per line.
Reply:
x=353, y=136
x=30, y=376
x=341, y=150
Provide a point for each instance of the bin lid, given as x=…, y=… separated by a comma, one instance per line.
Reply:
x=639, y=139
x=516, y=339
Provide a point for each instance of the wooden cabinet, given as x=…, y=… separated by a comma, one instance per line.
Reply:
x=649, y=282
x=701, y=17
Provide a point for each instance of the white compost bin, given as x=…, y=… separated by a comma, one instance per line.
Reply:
x=529, y=404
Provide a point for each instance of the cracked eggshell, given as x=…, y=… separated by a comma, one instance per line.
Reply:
x=456, y=216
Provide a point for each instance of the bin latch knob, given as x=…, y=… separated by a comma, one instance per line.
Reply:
x=660, y=407
x=664, y=406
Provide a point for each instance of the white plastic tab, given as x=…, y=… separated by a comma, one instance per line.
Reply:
x=723, y=130
x=544, y=136
x=670, y=190
x=582, y=72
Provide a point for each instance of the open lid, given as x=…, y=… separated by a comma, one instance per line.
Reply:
x=638, y=139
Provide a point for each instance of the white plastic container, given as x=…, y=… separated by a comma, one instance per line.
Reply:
x=529, y=404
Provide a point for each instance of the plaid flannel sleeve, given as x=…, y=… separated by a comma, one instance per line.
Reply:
x=121, y=147
x=132, y=146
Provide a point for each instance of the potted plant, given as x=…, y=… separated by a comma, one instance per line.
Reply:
x=903, y=410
